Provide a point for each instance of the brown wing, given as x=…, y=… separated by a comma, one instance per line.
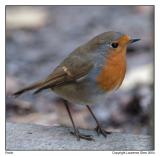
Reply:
x=75, y=66
x=64, y=75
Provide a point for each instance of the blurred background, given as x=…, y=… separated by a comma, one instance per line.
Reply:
x=38, y=38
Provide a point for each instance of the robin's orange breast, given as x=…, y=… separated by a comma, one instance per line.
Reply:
x=113, y=72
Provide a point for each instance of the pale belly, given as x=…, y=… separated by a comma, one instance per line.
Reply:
x=84, y=93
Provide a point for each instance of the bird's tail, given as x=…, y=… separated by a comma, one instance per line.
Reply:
x=31, y=87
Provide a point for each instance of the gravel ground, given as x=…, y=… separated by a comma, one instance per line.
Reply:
x=32, y=137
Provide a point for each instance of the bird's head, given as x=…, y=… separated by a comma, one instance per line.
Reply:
x=111, y=42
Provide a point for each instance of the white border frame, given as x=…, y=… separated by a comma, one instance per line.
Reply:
x=77, y=2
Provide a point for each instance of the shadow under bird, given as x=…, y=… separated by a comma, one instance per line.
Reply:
x=88, y=74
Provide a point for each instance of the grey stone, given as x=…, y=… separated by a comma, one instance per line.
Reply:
x=36, y=137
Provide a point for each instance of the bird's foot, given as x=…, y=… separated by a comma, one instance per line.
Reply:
x=82, y=136
x=100, y=130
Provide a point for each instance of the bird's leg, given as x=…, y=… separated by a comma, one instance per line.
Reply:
x=76, y=131
x=98, y=129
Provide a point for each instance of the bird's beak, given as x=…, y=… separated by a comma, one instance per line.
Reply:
x=133, y=40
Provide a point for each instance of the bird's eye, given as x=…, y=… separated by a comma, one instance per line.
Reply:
x=114, y=45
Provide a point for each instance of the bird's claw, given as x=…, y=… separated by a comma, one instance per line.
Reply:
x=82, y=136
x=100, y=130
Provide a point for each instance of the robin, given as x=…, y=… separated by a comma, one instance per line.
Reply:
x=88, y=74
